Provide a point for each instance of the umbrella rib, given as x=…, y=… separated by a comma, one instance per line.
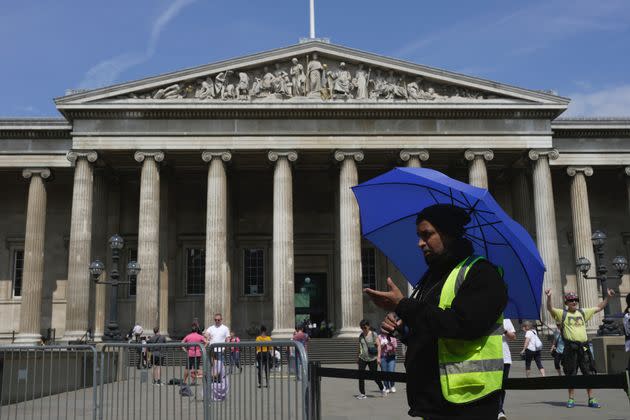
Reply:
x=470, y=236
x=415, y=185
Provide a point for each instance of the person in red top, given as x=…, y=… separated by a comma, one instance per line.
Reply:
x=194, y=353
x=300, y=336
x=388, y=358
x=235, y=352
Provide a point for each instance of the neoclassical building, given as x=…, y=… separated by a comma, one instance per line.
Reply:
x=230, y=184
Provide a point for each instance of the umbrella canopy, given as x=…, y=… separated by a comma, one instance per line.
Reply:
x=389, y=203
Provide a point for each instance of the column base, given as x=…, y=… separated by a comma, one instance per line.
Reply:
x=27, y=339
x=349, y=332
x=282, y=333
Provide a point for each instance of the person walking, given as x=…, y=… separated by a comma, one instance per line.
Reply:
x=369, y=356
x=157, y=357
x=389, y=345
x=577, y=352
x=509, y=334
x=557, y=348
x=301, y=337
x=263, y=356
x=452, y=323
x=194, y=354
x=532, y=348
x=235, y=352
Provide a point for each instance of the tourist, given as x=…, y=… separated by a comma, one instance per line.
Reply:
x=509, y=334
x=369, y=356
x=626, y=328
x=457, y=320
x=217, y=334
x=235, y=352
x=389, y=345
x=301, y=337
x=194, y=354
x=157, y=358
x=263, y=356
x=220, y=381
x=532, y=348
x=557, y=348
x=577, y=352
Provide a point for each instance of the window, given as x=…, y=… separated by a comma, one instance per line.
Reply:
x=195, y=271
x=254, y=271
x=18, y=270
x=132, y=255
x=368, y=267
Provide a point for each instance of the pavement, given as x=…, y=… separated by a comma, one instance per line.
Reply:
x=338, y=402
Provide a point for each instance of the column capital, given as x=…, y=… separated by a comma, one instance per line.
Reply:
x=224, y=155
x=140, y=155
x=574, y=170
x=552, y=154
x=357, y=155
x=74, y=155
x=274, y=155
x=471, y=154
x=407, y=154
x=42, y=172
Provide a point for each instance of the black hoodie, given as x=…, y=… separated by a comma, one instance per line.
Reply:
x=478, y=304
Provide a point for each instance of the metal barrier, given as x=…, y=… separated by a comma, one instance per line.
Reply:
x=252, y=380
x=52, y=382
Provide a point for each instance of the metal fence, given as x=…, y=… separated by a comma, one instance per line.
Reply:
x=233, y=381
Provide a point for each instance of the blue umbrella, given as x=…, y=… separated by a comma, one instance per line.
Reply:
x=389, y=203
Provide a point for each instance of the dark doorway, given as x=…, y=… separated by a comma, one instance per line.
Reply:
x=311, y=307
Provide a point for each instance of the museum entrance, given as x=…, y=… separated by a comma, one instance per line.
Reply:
x=311, y=307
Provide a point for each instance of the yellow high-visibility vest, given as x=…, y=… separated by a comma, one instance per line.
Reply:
x=469, y=369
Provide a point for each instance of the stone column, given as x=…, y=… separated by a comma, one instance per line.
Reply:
x=521, y=199
x=218, y=290
x=477, y=172
x=546, y=233
x=413, y=157
x=33, y=274
x=147, y=289
x=99, y=248
x=627, y=172
x=79, y=253
x=283, y=261
x=350, y=245
x=581, y=215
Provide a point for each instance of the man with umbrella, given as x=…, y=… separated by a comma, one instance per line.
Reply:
x=452, y=323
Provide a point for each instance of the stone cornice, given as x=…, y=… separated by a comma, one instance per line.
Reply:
x=357, y=155
x=274, y=155
x=486, y=154
x=90, y=155
x=407, y=154
x=42, y=172
x=551, y=154
x=224, y=155
x=574, y=170
x=140, y=155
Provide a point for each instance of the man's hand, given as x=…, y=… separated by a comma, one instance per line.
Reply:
x=391, y=323
x=386, y=300
x=611, y=292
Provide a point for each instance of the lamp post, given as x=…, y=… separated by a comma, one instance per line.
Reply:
x=116, y=243
x=620, y=264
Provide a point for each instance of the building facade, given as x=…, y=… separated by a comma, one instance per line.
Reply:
x=230, y=184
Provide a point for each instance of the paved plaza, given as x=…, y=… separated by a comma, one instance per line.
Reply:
x=338, y=402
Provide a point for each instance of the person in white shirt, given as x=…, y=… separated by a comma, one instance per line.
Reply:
x=217, y=333
x=532, y=348
x=509, y=333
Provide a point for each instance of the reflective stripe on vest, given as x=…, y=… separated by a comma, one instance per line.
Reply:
x=469, y=369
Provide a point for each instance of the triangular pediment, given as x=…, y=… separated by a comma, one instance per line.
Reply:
x=310, y=73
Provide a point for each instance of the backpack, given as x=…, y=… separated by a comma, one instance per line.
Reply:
x=537, y=343
x=372, y=350
x=185, y=391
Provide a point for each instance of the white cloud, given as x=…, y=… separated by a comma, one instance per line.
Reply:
x=610, y=102
x=107, y=71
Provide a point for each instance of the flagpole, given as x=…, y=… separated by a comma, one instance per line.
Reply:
x=312, y=10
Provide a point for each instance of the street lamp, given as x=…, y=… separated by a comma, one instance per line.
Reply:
x=116, y=243
x=620, y=264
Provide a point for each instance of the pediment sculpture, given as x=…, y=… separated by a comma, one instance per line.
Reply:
x=312, y=77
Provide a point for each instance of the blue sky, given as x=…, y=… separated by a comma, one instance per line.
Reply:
x=578, y=48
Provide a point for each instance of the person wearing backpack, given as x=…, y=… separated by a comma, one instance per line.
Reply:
x=369, y=356
x=532, y=348
x=577, y=353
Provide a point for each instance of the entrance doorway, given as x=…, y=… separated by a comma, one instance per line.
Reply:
x=311, y=307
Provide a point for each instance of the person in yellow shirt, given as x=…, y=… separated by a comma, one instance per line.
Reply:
x=577, y=353
x=263, y=357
